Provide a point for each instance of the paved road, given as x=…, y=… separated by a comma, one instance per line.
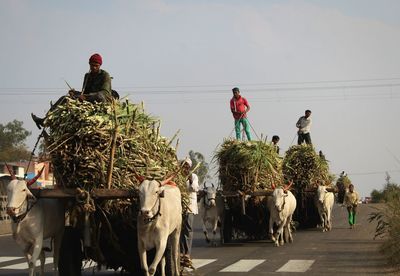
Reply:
x=342, y=251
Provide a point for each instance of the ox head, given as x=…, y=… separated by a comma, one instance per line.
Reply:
x=18, y=193
x=211, y=193
x=150, y=191
x=321, y=192
x=279, y=195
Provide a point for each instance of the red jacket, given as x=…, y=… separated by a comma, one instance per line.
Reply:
x=239, y=105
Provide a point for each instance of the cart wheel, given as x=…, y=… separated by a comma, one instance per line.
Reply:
x=227, y=229
x=70, y=260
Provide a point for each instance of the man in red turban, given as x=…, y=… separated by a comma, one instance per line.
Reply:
x=96, y=87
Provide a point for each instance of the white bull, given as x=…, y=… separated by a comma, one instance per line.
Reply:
x=211, y=211
x=160, y=216
x=324, y=201
x=281, y=207
x=33, y=221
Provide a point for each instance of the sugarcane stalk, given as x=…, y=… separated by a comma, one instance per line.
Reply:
x=112, y=152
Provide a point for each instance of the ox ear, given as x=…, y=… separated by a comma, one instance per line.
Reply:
x=33, y=180
x=273, y=186
x=212, y=185
x=11, y=172
x=29, y=194
x=161, y=192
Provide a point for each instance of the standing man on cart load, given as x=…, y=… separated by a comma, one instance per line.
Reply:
x=239, y=108
x=304, y=126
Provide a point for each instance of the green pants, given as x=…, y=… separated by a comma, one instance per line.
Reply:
x=352, y=214
x=246, y=127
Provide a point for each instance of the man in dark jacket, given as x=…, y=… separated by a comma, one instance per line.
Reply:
x=96, y=87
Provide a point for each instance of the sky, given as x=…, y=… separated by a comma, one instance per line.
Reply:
x=341, y=59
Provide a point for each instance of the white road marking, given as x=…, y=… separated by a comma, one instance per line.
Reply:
x=242, y=266
x=8, y=258
x=24, y=264
x=197, y=263
x=296, y=266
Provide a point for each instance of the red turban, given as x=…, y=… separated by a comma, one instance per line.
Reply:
x=96, y=58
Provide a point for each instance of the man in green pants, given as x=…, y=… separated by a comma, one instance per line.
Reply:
x=239, y=108
x=351, y=201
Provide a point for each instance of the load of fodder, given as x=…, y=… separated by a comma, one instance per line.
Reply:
x=106, y=145
x=247, y=166
x=342, y=185
x=306, y=169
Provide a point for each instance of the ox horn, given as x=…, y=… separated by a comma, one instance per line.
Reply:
x=167, y=180
x=33, y=180
x=11, y=172
x=287, y=187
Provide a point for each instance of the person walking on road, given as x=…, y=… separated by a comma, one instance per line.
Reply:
x=304, y=127
x=351, y=199
x=240, y=107
x=192, y=185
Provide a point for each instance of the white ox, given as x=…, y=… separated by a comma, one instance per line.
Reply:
x=33, y=221
x=211, y=211
x=324, y=201
x=159, y=217
x=281, y=207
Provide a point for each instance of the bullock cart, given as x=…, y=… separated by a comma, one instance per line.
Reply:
x=97, y=152
x=246, y=215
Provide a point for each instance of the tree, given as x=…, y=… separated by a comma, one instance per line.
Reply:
x=390, y=192
x=202, y=170
x=12, y=142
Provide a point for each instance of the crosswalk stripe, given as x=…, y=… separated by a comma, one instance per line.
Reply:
x=296, y=266
x=242, y=266
x=24, y=264
x=197, y=263
x=7, y=259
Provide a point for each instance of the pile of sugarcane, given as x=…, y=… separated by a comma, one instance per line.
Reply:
x=247, y=166
x=342, y=185
x=305, y=167
x=105, y=145
x=307, y=170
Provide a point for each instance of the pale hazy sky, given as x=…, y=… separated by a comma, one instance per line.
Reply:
x=341, y=59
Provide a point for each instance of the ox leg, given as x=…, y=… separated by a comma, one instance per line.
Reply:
x=143, y=258
x=36, y=252
x=56, y=253
x=159, y=254
x=42, y=259
x=279, y=234
x=289, y=230
x=329, y=219
x=175, y=250
x=271, y=229
x=204, y=220
x=215, y=225
x=162, y=264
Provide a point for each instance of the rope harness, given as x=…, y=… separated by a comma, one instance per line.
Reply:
x=158, y=200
